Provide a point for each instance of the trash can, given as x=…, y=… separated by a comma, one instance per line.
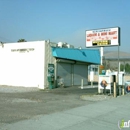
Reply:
x=51, y=82
x=127, y=86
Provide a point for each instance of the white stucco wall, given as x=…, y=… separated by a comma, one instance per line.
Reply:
x=23, y=69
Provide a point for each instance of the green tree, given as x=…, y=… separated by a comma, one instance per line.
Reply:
x=21, y=40
x=122, y=67
x=127, y=68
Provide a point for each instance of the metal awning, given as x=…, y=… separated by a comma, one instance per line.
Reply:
x=81, y=55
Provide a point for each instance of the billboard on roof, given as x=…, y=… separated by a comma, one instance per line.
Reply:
x=103, y=37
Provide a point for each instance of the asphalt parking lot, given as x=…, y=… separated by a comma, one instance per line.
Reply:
x=18, y=103
x=69, y=108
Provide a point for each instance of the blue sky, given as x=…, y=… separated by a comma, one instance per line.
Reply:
x=63, y=20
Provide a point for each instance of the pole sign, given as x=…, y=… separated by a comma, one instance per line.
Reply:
x=103, y=37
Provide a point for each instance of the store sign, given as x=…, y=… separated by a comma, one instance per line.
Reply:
x=101, y=42
x=102, y=70
x=103, y=37
x=50, y=69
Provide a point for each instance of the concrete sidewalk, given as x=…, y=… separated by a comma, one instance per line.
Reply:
x=103, y=115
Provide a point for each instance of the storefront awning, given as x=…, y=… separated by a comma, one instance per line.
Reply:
x=82, y=55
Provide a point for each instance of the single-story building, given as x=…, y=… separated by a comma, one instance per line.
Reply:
x=27, y=64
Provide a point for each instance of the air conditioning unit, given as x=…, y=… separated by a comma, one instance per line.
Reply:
x=64, y=45
x=70, y=46
x=60, y=44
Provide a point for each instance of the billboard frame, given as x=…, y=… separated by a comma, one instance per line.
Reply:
x=106, y=42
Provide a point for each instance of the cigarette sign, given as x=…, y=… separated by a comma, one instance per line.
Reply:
x=103, y=37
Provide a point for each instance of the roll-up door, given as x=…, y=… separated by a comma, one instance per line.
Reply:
x=80, y=72
x=64, y=70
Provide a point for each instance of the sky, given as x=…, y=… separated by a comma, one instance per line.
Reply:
x=63, y=20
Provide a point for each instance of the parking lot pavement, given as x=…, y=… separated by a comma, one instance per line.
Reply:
x=18, y=103
x=12, y=89
x=62, y=109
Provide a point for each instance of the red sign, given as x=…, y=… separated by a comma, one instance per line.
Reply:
x=103, y=37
